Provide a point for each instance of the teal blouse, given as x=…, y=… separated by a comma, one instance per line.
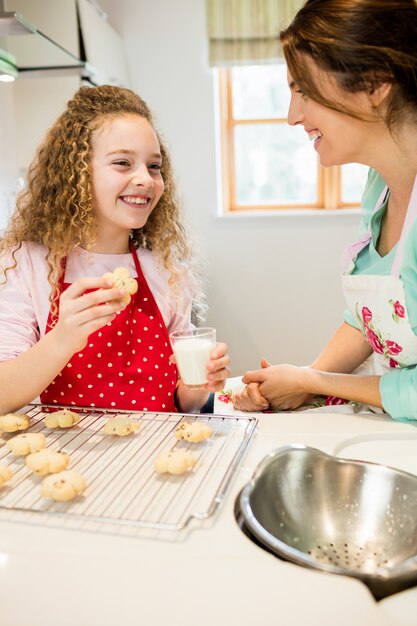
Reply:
x=398, y=388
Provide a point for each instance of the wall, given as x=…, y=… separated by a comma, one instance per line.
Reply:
x=274, y=286
x=8, y=160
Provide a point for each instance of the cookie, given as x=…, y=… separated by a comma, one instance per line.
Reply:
x=122, y=280
x=5, y=474
x=62, y=419
x=21, y=445
x=11, y=422
x=193, y=431
x=174, y=462
x=47, y=461
x=63, y=486
x=120, y=426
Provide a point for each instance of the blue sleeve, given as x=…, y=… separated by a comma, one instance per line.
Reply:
x=399, y=393
x=350, y=319
x=373, y=189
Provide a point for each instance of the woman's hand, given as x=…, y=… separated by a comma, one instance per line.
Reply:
x=217, y=370
x=281, y=385
x=251, y=399
x=81, y=313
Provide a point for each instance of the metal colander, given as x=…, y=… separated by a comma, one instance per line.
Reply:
x=340, y=516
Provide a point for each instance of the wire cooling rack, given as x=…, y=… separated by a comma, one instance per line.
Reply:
x=123, y=490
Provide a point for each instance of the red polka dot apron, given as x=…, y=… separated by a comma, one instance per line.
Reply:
x=125, y=364
x=378, y=302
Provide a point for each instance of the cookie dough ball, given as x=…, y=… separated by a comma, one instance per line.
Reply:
x=174, y=462
x=5, y=474
x=21, y=445
x=62, y=419
x=122, y=280
x=120, y=426
x=193, y=431
x=11, y=422
x=47, y=461
x=63, y=486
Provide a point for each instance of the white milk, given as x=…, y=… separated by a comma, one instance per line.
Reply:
x=192, y=355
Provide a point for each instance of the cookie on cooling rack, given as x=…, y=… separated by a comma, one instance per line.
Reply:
x=63, y=418
x=47, y=461
x=21, y=445
x=193, y=431
x=174, y=462
x=5, y=474
x=123, y=280
x=63, y=486
x=11, y=422
x=120, y=426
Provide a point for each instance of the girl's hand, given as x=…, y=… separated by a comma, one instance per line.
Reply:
x=251, y=399
x=217, y=370
x=81, y=313
x=282, y=385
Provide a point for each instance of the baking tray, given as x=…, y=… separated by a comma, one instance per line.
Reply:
x=123, y=490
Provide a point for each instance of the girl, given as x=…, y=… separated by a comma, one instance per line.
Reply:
x=100, y=195
x=352, y=72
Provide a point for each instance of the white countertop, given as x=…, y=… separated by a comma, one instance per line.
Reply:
x=208, y=575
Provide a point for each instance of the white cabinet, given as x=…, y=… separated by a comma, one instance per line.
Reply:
x=57, y=19
x=103, y=47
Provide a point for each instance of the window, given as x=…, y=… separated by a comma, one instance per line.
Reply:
x=266, y=164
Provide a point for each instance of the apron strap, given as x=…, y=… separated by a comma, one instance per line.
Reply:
x=144, y=284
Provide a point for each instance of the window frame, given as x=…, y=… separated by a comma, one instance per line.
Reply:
x=329, y=179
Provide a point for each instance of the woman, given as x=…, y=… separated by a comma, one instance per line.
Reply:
x=352, y=72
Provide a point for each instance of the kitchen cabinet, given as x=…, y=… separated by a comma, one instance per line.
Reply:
x=39, y=100
x=103, y=47
x=72, y=34
x=57, y=20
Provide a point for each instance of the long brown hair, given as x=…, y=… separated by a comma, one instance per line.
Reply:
x=56, y=207
x=362, y=43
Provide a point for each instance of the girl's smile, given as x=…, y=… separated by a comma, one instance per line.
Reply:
x=127, y=181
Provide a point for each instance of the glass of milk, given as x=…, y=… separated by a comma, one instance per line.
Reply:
x=192, y=350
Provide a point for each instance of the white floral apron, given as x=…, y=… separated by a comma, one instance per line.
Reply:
x=378, y=302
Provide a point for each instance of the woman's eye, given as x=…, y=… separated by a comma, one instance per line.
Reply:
x=155, y=166
x=121, y=162
x=302, y=94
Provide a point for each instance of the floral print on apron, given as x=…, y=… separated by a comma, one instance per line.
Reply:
x=125, y=364
x=378, y=302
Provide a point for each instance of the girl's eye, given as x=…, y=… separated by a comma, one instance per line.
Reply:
x=121, y=162
x=155, y=166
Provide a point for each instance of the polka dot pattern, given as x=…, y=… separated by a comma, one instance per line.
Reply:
x=109, y=373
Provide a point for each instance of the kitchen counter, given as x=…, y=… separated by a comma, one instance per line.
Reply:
x=209, y=574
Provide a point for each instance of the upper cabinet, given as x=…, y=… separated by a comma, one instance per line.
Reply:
x=44, y=34
x=103, y=46
x=61, y=37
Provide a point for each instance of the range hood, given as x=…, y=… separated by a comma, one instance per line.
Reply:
x=35, y=53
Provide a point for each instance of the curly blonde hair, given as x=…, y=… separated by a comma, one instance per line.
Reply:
x=56, y=208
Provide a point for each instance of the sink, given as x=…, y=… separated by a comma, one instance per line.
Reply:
x=395, y=450
x=341, y=516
